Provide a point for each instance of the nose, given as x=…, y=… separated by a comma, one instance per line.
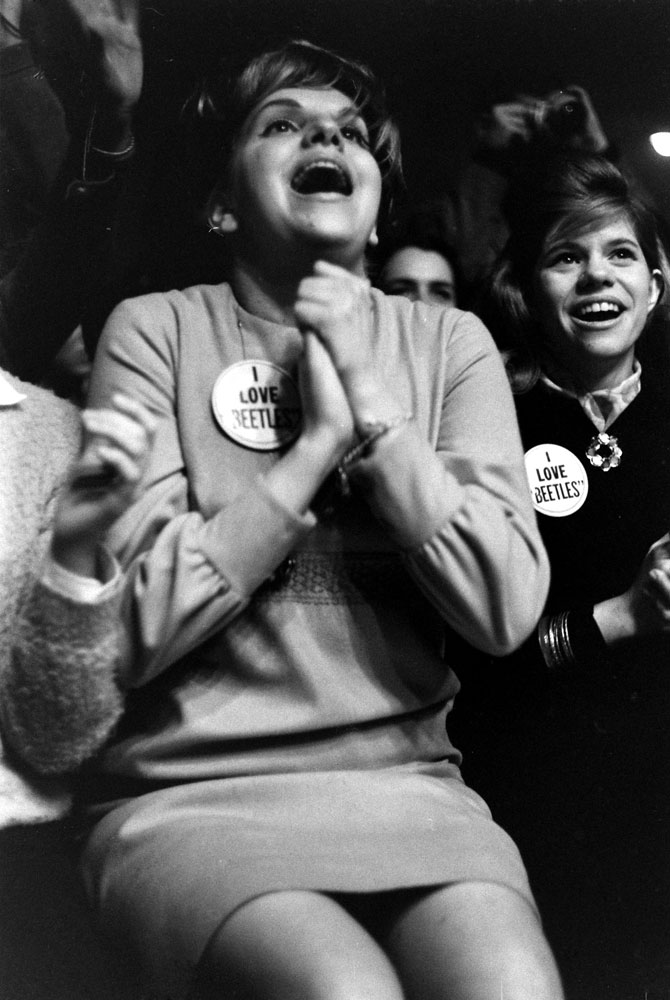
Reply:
x=322, y=131
x=596, y=271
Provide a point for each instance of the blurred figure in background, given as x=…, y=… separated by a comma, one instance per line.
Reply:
x=418, y=262
x=510, y=138
x=61, y=174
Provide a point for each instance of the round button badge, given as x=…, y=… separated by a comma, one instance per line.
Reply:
x=257, y=404
x=557, y=480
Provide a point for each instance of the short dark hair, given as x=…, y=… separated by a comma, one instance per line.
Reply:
x=227, y=101
x=422, y=226
x=568, y=195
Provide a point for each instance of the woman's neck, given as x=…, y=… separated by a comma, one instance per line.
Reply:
x=273, y=301
x=271, y=293
x=595, y=377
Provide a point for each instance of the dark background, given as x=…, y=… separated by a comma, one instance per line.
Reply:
x=443, y=61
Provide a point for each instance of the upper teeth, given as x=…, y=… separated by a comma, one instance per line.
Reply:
x=301, y=177
x=596, y=307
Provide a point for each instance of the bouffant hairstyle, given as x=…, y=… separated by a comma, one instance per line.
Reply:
x=571, y=194
x=221, y=106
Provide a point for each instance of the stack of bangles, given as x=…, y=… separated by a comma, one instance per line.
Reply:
x=554, y=639
x=571, y=638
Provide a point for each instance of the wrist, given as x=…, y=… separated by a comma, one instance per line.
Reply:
x=372, y=405
x=79, y=557
x=615, y=619
x=320, y=449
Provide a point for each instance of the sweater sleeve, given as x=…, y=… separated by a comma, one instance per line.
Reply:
x=187, y=575
x=59, y=697
x=461, y=511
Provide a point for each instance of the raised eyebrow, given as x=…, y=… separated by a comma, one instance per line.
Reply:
x=556, y=249
x=623, y=241
x=562, y=245
x=350, y=112
x=287, y=102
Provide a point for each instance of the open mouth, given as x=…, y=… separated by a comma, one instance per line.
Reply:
x=597, y=312
x=322, y=177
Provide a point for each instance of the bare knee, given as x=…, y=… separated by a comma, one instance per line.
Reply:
x=294, y=946
x=473, y=941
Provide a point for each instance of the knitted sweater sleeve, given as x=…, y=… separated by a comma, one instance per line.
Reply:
x=59, y=699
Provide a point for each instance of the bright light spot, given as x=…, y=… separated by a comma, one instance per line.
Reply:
x=661, y=143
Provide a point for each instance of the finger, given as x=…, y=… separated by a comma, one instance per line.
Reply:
x=129, y=11
x=117, y=429
x=660, y=550
x=659, y=588
x=325, y=268
x=132, y=408
x=334, y=293
x=128, y=472
x=320, y=289
x=311, y=316
x=577, y=92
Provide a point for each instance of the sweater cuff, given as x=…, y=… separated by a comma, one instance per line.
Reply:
x=82, y=589
x=247, y=542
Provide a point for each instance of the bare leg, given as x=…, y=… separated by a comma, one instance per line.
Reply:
x=472, y=941
x=295, y=946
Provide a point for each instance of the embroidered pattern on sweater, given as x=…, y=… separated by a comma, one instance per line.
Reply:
x=339, y=578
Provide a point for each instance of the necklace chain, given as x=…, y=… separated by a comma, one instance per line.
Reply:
x=241, y=332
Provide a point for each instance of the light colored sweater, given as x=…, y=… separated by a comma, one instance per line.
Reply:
x=58, y=696
x=355, y=635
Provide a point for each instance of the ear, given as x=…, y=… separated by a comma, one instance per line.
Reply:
x=373, y=239
x=656, y=288
x=219, y=215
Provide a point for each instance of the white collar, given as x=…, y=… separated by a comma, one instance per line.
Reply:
x=603, y=406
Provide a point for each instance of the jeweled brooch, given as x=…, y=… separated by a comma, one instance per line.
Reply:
x=604, y=452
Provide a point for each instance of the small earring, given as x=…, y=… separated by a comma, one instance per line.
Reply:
x=373, y=239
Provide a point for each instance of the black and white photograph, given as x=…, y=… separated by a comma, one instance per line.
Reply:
x=334, y=499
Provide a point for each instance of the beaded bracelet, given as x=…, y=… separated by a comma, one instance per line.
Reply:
x=377, y=430
x=361, y=450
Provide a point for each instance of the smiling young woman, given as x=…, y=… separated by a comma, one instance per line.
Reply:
x=584, y=785
x=281, y=813
x=594, y=292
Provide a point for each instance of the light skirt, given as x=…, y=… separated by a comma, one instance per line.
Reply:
x=164, y=870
